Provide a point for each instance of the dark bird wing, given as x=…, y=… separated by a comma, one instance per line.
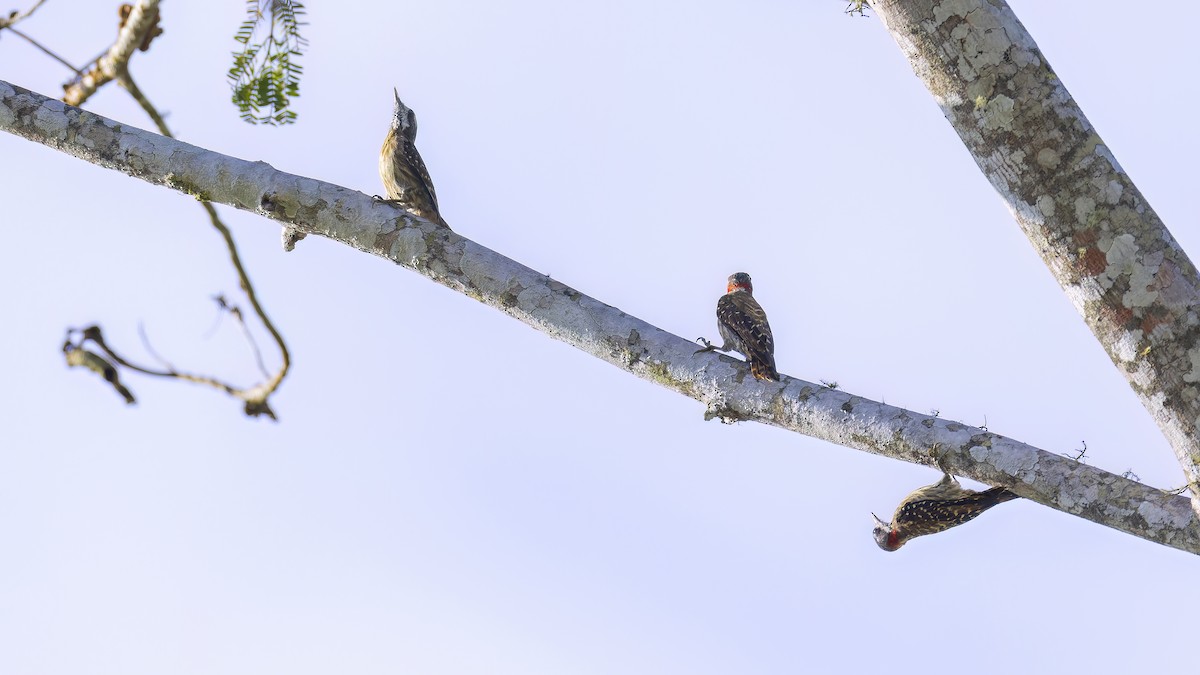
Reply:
x=422, y=178
x=742, y=318
x=929, y=516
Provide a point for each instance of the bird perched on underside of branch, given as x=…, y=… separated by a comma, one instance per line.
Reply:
x=406, y=181
x=743, y=326
x=935, y=508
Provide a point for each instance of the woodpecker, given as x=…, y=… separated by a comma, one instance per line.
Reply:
x=935, y=508
x=743, y=326
x=405, y=178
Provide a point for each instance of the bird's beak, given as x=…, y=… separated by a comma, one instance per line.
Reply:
x=879, y=522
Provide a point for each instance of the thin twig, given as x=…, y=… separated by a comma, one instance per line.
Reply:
x=93, y=333
x=17, y=17
x=150, y=348
x=141, y=20
x=46, y=50
x=273, y=381
x=236, y=312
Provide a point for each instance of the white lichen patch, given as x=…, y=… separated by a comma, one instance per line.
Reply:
x=50, y=120
x=1045, y=204
x=1069, y=500
x=309, y=191
x=1142, y=289
x=951, y=8
x=476, y=268
x=1112, y=192
x=1083, y=209
x=1125, y=347
x=1047, y=158
x=1006, y=460
x=1121, y=254
x=1157, y=516
x=408, y=247
x=535, y=298
x=998, y=114
x=1028, y=216
x=1024, y=57
x=984, y=40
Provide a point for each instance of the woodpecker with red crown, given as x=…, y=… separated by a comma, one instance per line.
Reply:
x=743, y=326
x=405, y=178
x=935, y=508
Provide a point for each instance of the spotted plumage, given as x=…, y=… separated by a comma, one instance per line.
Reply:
x=744, y=328
x=935, y=508
x=406, y=181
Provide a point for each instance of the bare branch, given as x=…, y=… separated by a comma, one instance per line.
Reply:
x=236, y=313
x=253, y=397
x=721, y=383
x=17, y=17
x=273, y=381
x=138, y=27
x=78, y=356
x=46, y=50
x=140, y=23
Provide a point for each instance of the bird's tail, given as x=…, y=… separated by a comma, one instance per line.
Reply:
x=763, y=370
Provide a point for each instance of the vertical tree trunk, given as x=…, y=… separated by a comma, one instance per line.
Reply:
x=1133, y=284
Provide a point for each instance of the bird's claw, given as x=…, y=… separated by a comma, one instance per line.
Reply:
x=708, y=346
x=939, y=458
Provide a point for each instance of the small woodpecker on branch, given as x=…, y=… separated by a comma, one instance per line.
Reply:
x=743, y=326
x=935, y=508
x=406, y=181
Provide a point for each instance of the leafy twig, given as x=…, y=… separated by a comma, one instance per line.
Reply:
x=264, y=74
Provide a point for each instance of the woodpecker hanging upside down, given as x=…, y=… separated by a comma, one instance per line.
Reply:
x=405, y=178
x=743, y=325
x=935, y=508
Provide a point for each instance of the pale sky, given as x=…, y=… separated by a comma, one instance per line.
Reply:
x=449, y=491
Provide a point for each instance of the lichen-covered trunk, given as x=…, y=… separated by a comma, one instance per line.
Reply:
x=1133, y=284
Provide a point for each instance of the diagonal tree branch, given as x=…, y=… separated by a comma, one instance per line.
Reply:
x=1135, y=287
x=721, y=383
